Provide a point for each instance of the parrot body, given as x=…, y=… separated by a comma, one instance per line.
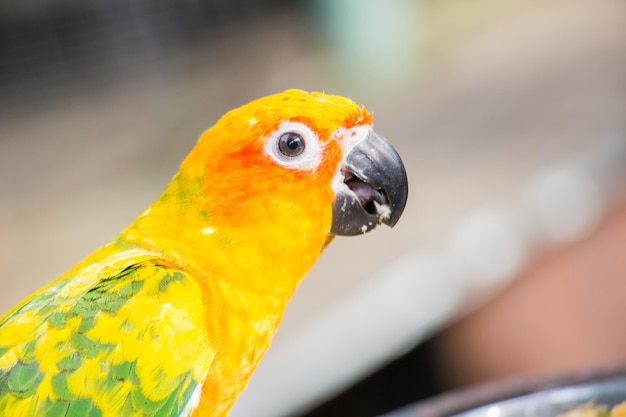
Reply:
x=172, y=316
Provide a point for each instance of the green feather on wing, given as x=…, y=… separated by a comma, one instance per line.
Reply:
x=127, y=343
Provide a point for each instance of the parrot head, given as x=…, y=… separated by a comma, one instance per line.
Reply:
x=319, y=147
x=279, y=177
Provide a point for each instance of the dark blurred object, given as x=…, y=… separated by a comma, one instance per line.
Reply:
x=536, y=397
x=48, y=49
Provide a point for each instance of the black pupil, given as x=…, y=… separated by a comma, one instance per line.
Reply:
x=291, y=144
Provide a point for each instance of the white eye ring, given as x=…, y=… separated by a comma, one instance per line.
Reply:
x=303, y=145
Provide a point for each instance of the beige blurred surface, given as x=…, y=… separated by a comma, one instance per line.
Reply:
x=502, y=92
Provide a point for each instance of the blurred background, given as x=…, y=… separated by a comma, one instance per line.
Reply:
x=510, y=260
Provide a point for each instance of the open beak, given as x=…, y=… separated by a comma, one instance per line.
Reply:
x=373, y=187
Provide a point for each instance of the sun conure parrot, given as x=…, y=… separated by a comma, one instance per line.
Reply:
x=172, y=316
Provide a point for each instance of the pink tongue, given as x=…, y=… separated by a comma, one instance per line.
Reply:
x=364, y=192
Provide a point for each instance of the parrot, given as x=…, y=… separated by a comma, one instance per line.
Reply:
x=171, y=317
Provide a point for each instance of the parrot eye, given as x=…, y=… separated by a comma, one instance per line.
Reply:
x=291, y=144
x=294, y=145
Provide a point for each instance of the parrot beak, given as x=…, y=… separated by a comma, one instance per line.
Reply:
x=372, y=187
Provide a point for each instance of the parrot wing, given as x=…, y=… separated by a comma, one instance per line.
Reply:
x=122, y=338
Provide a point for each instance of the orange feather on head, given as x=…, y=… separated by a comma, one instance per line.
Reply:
x=232, y=151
